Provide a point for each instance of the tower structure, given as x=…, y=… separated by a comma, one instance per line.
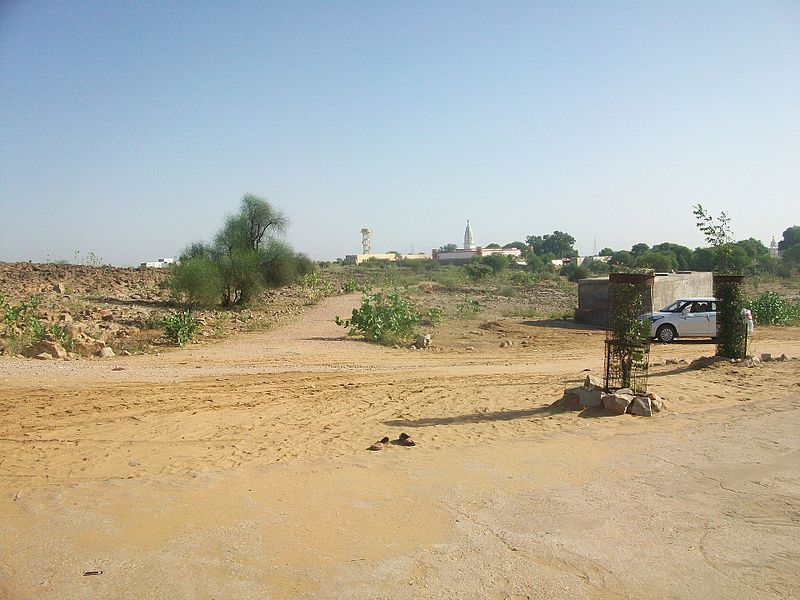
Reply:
x=366, y=240
x=469, y=239
x=773, y=249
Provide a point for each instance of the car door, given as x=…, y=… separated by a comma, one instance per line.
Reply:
x=694, y=322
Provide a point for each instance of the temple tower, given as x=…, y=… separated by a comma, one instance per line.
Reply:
x=469, y=239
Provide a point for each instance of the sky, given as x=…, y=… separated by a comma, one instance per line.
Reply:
x=131, y=129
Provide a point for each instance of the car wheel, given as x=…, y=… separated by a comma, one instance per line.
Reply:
x=666, y=333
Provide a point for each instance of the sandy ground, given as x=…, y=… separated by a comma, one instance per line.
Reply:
x=239, y=470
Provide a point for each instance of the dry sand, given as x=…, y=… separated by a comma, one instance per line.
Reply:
x=239, y=470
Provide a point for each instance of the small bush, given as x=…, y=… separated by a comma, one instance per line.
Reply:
x=180, y=327
x=385, y=318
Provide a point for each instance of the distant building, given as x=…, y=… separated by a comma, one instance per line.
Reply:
x=390, y=256
x=461, y=256
x=161, y=263
x=773, y=249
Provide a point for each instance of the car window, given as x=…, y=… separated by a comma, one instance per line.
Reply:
x=675, y=307
x=712, y=307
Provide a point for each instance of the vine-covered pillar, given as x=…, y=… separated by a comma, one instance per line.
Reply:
x=628, y=335
x=731, y=325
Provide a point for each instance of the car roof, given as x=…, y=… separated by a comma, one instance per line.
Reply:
x=705, y=299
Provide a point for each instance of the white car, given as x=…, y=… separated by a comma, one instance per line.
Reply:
x=687, y=317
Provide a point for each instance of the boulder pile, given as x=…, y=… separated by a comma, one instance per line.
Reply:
x=623, y=401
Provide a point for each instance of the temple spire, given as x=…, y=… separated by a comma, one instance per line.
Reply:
x=469, y=239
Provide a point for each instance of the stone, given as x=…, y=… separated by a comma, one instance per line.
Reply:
x=641, y=407
x=43, y=356
x=782, y=358
x=766, y=356
x=617, y=402
x=59, y=288
x=54, y=349
x=656, y=402
x=88, y=347
x=423, y=340
x=106, y=352
x=580, y=398
x=125, y=353
x=506, y=343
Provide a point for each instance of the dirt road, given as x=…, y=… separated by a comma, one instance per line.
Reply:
x=239, y=470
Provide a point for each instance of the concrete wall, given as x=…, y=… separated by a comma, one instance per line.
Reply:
x=670, y=287
x=593, y=294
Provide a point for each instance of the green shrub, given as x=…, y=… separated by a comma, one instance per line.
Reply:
x=197, y=282
x=770, y=309
x=21, y=325
x=180, y=327
x=385, y=318
x=435, y=315
x=477, y=271
x=469, y=307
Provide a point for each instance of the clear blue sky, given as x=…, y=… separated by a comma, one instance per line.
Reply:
x=130, y=129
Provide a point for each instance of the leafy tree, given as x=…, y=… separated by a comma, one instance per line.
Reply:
x=535, y=264
x=639, y=249
x=606, y=252
x=574, y=272
x=241, y=276
x=717, y=232
x=753, y=248
x=658, y=261
x=518, y=245
x=448, y=248
x=682, y=254
x=703, y=259
x=791, y=238
x=791, y=257
x=493, y=245
x=623, y=258
x=559, y=244
x=498, y=262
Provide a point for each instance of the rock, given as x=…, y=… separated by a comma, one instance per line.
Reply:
x=470, y=348
x=588, y=395
x=59, y=288
x=54, y=349
x=88, y=347
x=675, y=361
x=125, y=353
x=656, y=402
x=617, y=402
x=766, y=356
x=106, y=352
x=43, y=356
x=782, y=358
x=641, y=407
x=506, y=344
x=423, y=340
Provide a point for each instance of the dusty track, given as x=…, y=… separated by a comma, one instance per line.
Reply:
x=241, y=466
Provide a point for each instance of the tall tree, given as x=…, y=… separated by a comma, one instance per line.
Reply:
x=791, y=237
